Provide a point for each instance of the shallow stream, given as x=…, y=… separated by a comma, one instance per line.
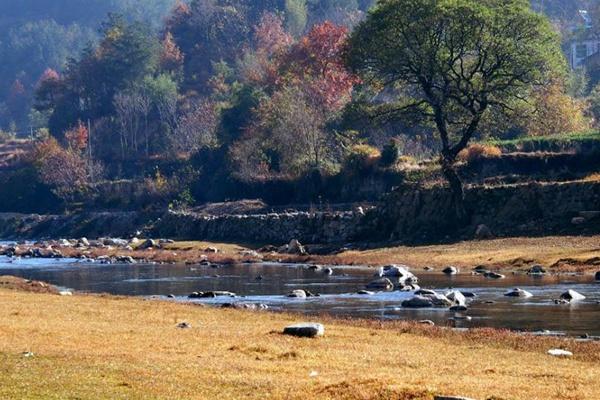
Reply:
x=269, y=283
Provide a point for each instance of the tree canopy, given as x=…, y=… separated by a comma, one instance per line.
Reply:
x=448, y=62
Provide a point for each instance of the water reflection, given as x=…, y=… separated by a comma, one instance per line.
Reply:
x=268, y=283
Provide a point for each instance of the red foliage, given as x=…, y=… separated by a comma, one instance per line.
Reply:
x=271, y=41
x=270, y=35
x=171, y=57
x=49, y=75
x=317, y=62
x=77, y=137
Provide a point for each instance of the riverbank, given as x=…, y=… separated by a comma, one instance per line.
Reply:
x=98, y=347
x=557, y=254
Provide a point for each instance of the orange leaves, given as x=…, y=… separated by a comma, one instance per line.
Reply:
x=77, y=137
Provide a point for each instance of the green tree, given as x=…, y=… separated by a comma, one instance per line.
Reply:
x=449, y=62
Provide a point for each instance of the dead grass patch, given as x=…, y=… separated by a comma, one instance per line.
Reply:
x=106, y=348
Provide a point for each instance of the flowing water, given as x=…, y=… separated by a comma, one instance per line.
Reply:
x=338, y=291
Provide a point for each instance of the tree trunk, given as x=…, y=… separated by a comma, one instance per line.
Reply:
x=458, y=194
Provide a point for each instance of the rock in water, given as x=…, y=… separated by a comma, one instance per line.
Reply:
x=457, y=298
x=305, y=330
x=381, y=284
x=298, y=294
x=571, y=295
x=516, y=292
x=536, y=270
x=417, y=302
x=493, y=275
x=450, y=270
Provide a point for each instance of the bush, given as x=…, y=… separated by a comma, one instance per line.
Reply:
x=478, y=151
x=390, y=153
x=361, y=158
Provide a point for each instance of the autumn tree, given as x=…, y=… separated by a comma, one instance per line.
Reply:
x=449, y=62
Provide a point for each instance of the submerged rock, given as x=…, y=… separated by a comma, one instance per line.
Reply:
x=305, y=330
x=516, y=292
x=381, y=284
x=494, y=275
x=365, y=292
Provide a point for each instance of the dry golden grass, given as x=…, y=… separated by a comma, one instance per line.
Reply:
x=561, y=253
x=92, y=347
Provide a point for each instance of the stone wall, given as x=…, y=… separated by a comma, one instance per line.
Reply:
x=410, y=215
x=309, y=227
x=424, y=215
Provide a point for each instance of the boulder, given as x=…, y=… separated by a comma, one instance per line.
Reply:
x=427, y=322
x=450, y=270
x=494, y=275
x=305, y=330
x=184, y=325
x=211, y=250
x=418, y=302
x=147, y=244
x=295, y=247
x=328, y=271
x=483, y=232
x=597, y=276
x=439, y=300
x=299, y=294
x=114, y=242
x=457, y=298
x=381, y=284
x=536, y=270
x=516, y=292
x=571, y=295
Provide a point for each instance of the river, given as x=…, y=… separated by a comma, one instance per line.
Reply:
x=269, y=283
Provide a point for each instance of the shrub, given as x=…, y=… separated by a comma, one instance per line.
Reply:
x=390, y=153
x=361, y=157
x=478, y=151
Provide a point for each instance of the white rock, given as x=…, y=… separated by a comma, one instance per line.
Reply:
x=560, y=353
x=572, y=295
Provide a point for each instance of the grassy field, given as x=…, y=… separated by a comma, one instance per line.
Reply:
x=102, y=347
